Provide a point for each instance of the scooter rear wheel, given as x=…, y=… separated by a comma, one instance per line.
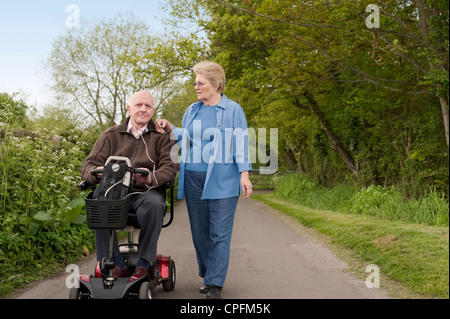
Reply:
x=169, y=284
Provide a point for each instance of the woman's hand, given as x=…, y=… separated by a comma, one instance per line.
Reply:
x=247, y=187
x=161, y=124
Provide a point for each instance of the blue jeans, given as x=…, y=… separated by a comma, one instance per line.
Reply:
x=211, y=227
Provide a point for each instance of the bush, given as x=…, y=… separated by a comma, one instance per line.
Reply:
x=296, y=187
x=431, y=209
x=387, y=203
x=42, y=222
x=369, y=200
x=302, y=190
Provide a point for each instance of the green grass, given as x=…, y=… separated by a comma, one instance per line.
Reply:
x=414, y=255
x=383, y=202
x=261, y=181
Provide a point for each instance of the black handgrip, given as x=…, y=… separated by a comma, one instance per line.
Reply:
x=143, y=172
x=96, y=171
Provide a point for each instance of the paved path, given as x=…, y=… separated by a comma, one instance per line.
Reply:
x=271, y=257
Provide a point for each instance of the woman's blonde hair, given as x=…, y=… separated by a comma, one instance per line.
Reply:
x=213, y=72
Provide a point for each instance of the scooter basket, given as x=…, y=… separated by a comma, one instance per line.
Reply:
x=106, y=214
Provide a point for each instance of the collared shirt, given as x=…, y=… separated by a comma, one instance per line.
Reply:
x=229, y=152
x=136, y=132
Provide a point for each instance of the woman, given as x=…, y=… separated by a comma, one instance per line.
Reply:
x=214, y=171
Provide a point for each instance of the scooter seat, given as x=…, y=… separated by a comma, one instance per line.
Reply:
x=132, y=220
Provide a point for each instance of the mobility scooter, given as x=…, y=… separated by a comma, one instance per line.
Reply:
x=110, y=211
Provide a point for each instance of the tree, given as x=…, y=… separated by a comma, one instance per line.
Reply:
x=363, y=91
x=97, y=67
x=12, y=108
x=414, y=33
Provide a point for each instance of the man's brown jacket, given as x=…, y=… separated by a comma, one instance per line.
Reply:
x=117, y=141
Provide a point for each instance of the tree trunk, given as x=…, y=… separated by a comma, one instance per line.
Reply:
x=332, y=138
x=444, y=107
x=424, y=16
x=289, y=159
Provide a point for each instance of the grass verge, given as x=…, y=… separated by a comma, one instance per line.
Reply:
x=416, y=256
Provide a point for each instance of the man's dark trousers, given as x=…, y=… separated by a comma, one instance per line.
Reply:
x=149, y=208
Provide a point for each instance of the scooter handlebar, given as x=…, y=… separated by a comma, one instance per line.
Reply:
x=96, y=171
x=143, y=172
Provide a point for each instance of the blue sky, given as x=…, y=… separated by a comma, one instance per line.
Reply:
x=28, y=28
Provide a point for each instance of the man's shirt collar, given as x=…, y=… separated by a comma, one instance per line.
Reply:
x=136, y=132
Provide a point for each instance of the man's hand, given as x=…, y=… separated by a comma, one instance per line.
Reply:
x=99, y=175
x=146, y=180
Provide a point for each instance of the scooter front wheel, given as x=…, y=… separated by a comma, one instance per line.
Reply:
x=74, y=293
x=78, y=293
x=145, y=291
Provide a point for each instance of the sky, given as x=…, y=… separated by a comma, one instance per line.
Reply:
x=28, y=28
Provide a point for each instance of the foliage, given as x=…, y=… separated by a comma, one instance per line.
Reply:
x=352, y=104
x=42, y=221
x=12, y=109
x=173, y=108
x=97, y=67
x=385, y=203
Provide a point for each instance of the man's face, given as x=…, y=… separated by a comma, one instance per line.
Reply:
x=141, y=109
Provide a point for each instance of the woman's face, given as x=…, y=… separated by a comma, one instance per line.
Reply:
x=206, y=91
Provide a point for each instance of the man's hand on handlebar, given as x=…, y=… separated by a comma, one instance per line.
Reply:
x=99, y=175
x=143, y=176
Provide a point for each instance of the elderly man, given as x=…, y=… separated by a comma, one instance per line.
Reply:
x=137, y=139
